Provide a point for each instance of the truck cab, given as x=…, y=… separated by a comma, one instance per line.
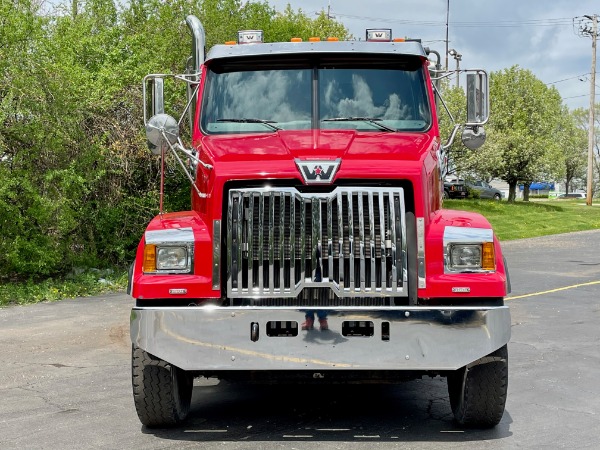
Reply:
x=316, y=247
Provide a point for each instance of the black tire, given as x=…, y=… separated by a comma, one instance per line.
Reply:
x=161, y=392
x=446, y=194
x=497, y=197
x=478, y=391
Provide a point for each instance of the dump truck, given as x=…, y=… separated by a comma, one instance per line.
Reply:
x=316, y=248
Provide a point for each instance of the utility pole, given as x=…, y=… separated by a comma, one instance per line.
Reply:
x=74, y=9
x=447, y=20
x=584, y=30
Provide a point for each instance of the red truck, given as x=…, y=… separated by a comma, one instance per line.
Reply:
x=316, y=248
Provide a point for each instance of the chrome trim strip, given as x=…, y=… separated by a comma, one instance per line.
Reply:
x=330, y=237
x=316, y=255
x=271, y=242
x=341, y=259
x=372, y=241
x=382, y=237
x=292, y=242
x=216, y=267
x=351, y=237
x=250, y=234
x=421, y=252
x=392, y=227
x=170, y=235
x=282, y=200
x=229, y=245
x=261, y=243
x=205, y=339
x=240, y=219
x=361, y=239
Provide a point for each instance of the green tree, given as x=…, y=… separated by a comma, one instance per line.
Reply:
x=581, y=117
x=522, y=145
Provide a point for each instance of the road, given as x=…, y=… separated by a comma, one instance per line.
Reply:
x=65, y=378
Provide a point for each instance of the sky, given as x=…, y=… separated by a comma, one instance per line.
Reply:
x=539, y=35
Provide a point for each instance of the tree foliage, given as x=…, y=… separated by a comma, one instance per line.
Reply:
x=522, y=144
x=77, y=184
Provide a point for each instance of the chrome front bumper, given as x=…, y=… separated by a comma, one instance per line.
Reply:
x=398, y=338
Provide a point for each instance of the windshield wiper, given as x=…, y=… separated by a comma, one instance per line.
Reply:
x=371, y=120
x=268, y=123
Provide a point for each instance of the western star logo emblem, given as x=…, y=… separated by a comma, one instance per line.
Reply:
x=318, y=172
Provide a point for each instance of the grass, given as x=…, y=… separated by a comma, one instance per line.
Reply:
x=510, y=221
x=530, y=219
x=82, y=285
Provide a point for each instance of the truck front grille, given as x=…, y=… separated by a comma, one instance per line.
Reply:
x=350, y=241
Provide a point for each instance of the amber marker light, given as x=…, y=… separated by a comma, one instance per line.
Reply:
x=488, y=259
x=399, y=40
x=332, y=39
x=149, y=264
x=314, y=39
x=230, y=42
x=296, y=40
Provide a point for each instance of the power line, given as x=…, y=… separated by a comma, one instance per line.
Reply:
x=570, y=78
x=564, y=21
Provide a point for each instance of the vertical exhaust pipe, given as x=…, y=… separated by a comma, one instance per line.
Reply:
x=193, y=65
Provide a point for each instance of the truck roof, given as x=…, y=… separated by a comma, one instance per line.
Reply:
x=411, y=48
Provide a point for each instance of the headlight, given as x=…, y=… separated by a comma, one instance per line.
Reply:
x=171, y=258
x=465, y=256
x=167, y=258
x=471, y=257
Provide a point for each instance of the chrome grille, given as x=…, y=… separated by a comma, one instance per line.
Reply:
x=281, y=241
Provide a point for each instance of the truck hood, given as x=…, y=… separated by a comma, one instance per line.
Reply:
x=272, y=155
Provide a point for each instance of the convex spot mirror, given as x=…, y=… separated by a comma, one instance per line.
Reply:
x=162, y=131
x=473, y=137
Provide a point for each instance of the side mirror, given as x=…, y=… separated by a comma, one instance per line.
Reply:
x=473, y=137
x=155, y=103
x=162, y=131
x=478, y=106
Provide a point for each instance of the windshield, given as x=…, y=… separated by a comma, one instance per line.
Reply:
x=388, y=97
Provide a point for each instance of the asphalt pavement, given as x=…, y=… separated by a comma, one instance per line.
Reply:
x=65, y=378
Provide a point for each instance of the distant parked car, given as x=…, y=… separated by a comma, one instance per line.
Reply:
x=485, y=190
x=573, y=195
x=455, y=188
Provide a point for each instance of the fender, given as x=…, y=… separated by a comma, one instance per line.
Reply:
x=460, y=285
x=197, y=284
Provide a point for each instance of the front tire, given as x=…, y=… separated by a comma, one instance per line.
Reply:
x=497, y=197
x=161, y=392
x=478, y=391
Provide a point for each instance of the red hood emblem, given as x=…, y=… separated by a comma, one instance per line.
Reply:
x=318, y=172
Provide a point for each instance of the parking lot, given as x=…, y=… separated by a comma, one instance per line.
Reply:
x=65, y=379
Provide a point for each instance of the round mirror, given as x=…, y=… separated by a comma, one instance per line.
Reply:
x=161, y=130
x=473, y=137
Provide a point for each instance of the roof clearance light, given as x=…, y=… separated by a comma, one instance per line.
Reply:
x=399, y=40
x=379, y=35
x=332, y=39
x=230, y=42
x=250, y=37
x=314, y=39
x=296, y=40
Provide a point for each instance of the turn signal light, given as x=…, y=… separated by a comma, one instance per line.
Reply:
x=149, y=264
x=488, y=260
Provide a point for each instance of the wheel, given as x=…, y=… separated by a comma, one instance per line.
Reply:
x=161, y=392
x=445, y=195
x=478, y=391
x=497, y=196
